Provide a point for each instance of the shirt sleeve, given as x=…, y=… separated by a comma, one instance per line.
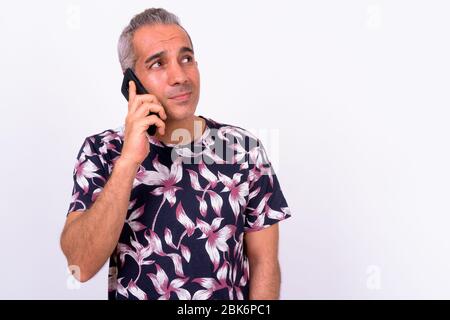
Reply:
x=266, y=204
x=89, y=176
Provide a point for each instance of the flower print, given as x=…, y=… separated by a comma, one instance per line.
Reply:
x=208, y=153
x=203, y=206
x=164, y=288
x=238, y=192
x=162, y=177
x=237, y=286
x=74, y=200
x=216, y=200
x=216, y=238
x=227, y=131
x=83, y=170
x=136, y=291
x=185, y=220
x=177, y=263
x=155, y=243
x=132, y=288
x=168, y=238
x=138, y=254
x=194, y=180
x=107, y=138
x=239, y=248
x=238, y=154
x=211, y=284
x=242, y=284
x=185, y=251
x=87, y=149
x=131, y=220
x=120, y=288
x=244, y=166
x=207, y=174
x=96, y=193
x=263, y=210
x=262, y=165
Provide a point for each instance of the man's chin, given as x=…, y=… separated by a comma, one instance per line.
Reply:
x=178, y=113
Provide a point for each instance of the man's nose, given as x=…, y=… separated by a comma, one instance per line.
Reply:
x=176, y=74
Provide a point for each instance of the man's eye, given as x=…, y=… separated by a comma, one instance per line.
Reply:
x=159, y=64
x=154, y=64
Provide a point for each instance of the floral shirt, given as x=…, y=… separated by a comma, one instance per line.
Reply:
x=189, y=208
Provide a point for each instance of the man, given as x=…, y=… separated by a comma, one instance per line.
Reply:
x=176, y=219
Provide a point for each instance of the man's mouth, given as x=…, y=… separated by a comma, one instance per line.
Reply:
x=181, y=96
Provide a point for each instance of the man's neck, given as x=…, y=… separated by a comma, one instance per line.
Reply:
x=193, y=129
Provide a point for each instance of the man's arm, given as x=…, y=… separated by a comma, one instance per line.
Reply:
x=90, y=237
x=262, y=252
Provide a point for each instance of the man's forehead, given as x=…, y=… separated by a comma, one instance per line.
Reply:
x=150, y=39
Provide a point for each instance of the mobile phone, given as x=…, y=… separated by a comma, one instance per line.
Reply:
x=140, y=89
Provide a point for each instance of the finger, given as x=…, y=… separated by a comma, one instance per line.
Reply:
x=154, y=120
x=131, y=93
x=141, y=98
x=146, y=107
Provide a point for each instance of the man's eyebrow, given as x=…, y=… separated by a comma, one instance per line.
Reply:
x=154, y=56
x=186, y=49
x=162, y=53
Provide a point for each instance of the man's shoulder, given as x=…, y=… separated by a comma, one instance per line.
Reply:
x=106, y=136
x=224, y=129
x=102, y=142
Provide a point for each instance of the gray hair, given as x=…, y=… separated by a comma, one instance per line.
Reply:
x=150, y=16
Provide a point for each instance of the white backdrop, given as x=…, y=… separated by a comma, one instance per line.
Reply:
x=350, y=97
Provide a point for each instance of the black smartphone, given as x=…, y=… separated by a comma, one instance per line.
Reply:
x=140, y=89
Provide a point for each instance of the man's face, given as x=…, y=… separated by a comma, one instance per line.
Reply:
x=167, y=68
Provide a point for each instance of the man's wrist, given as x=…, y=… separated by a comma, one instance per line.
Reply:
x=124, y=162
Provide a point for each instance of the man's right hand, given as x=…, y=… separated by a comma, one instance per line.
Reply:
x=136, y=146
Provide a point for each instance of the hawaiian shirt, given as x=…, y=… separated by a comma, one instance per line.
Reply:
x=190, y=205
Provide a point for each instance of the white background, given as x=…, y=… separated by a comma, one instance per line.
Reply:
x=355, y=92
